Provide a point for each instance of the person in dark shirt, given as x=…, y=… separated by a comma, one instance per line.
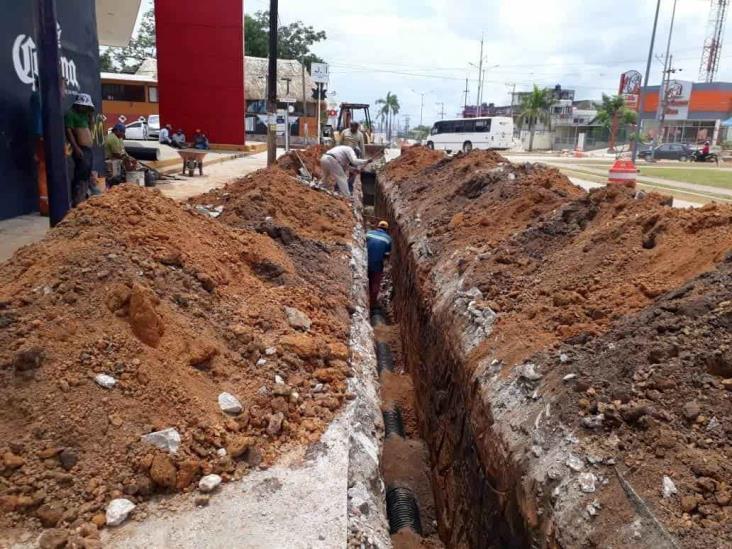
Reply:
x=378, y=246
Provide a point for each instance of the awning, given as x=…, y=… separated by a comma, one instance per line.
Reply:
x=727, y=123
x=116, y=20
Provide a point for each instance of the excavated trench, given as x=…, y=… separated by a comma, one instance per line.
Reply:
x=477, y=491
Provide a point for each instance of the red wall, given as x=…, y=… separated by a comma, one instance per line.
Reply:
x=201, y=67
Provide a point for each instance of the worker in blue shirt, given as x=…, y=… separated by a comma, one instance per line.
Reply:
x=378, y=246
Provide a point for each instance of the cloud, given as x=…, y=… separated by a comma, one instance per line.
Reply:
x=377, y=46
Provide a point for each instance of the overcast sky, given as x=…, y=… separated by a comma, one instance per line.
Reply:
x=411, y=46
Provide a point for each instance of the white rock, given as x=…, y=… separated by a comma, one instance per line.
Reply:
x=167, y=439
x=564, y=358
x=569, y=377
x=230, y=404
x=221, y=452
x=574, y=463
x=669, y=488
x=209, y=483
x=297, y=319
x=528, y=371
x=587, y=482
x=593, y=422
x=279, y=380
x=103, y=380
x=261, y=362
x=318, y=388
x=118, y=510
x=269, y=351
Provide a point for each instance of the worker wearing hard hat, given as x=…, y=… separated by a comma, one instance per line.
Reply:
x=78, y=122
x=378, y=246
x=336, y=163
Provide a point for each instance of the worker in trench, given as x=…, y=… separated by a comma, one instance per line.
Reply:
x=338, y=162
x=378, y=247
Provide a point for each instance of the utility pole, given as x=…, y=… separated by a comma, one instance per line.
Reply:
x=442, y=110
x=663, y=100
x=407, y=119
x=54, y=139
x=512, y=85
x=467, y=91
x=645, y=83
x=272, y=85
x=480, y=78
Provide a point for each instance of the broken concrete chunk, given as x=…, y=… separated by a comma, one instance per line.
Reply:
x=230, y=404
x=279, y=380
x=528, y=371
x=167, y=439
x=269, y=351
x=297, y=319
x=574, y=463
x=118, y=510
x=103, y=380
x=593, y=422
x=209, y=483
x=668, y=487
x=587, y=482
x=261, y=362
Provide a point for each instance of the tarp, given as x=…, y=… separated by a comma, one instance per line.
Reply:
x=19, y=90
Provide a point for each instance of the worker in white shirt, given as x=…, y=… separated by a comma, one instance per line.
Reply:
x=336, y=163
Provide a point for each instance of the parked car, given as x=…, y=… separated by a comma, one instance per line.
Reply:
x=667, y=151
x=137, y=130
x=153, y=126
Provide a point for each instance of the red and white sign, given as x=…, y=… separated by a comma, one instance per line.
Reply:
x=630, y=88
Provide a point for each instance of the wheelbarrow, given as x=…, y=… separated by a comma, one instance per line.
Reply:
x=192, y=159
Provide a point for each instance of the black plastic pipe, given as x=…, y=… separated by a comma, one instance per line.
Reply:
x=393, y=422
x=151, y=154
x=384, y=358
x=402, y=510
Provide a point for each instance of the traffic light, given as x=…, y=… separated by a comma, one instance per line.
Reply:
x=323, y=93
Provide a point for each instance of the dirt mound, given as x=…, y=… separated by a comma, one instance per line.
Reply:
x=273, y=198
x=412, y=161
x=177, y=308
x=578, y=269
x=292, y=162
x=656, y=390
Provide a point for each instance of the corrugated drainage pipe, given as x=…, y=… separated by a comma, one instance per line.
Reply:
x=384, y=358
x=393, y=423
x=401, y=507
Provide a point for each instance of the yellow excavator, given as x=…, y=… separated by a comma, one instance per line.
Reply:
x=351, y=111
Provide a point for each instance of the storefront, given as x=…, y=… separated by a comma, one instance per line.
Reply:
x=694, y=112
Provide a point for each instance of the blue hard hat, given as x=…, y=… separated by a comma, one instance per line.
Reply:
x=119, y=127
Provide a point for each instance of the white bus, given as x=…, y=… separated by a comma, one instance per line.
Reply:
x=466, y=134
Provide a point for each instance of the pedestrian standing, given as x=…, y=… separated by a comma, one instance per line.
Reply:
x=78, y=122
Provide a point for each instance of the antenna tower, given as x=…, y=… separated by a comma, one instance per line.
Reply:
x=713, y=44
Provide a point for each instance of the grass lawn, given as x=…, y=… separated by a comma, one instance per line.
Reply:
x=712, y=178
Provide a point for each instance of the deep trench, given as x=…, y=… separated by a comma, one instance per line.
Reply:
x=476, y=500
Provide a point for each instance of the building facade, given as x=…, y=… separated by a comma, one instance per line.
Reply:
x=694, y=112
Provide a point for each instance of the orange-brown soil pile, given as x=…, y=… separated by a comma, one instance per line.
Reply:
x=177, y=308
x=293, y=161
x=622, y=303
x=655, y=390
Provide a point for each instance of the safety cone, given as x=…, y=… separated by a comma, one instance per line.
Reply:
x=623, y=172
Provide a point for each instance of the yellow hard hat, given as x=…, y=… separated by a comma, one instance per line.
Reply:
x=383, y=224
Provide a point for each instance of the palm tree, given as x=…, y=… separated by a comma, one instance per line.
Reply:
x=389, y=109
x=534, y=109
x=611, y=114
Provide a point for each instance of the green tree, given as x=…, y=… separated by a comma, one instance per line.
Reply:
x=612, y=114
x=534, y=109
x=293, y=41
x=129, y=58
x=420, y=132
x=389, y=109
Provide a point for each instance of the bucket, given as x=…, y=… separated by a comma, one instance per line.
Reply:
x=138, y=178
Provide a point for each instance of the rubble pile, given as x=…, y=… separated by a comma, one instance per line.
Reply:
x=146, y=346
x=594, y=321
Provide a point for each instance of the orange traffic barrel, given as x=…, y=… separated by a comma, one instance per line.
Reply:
x=623, y=172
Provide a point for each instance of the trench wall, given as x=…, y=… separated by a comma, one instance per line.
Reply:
x=483, y=496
